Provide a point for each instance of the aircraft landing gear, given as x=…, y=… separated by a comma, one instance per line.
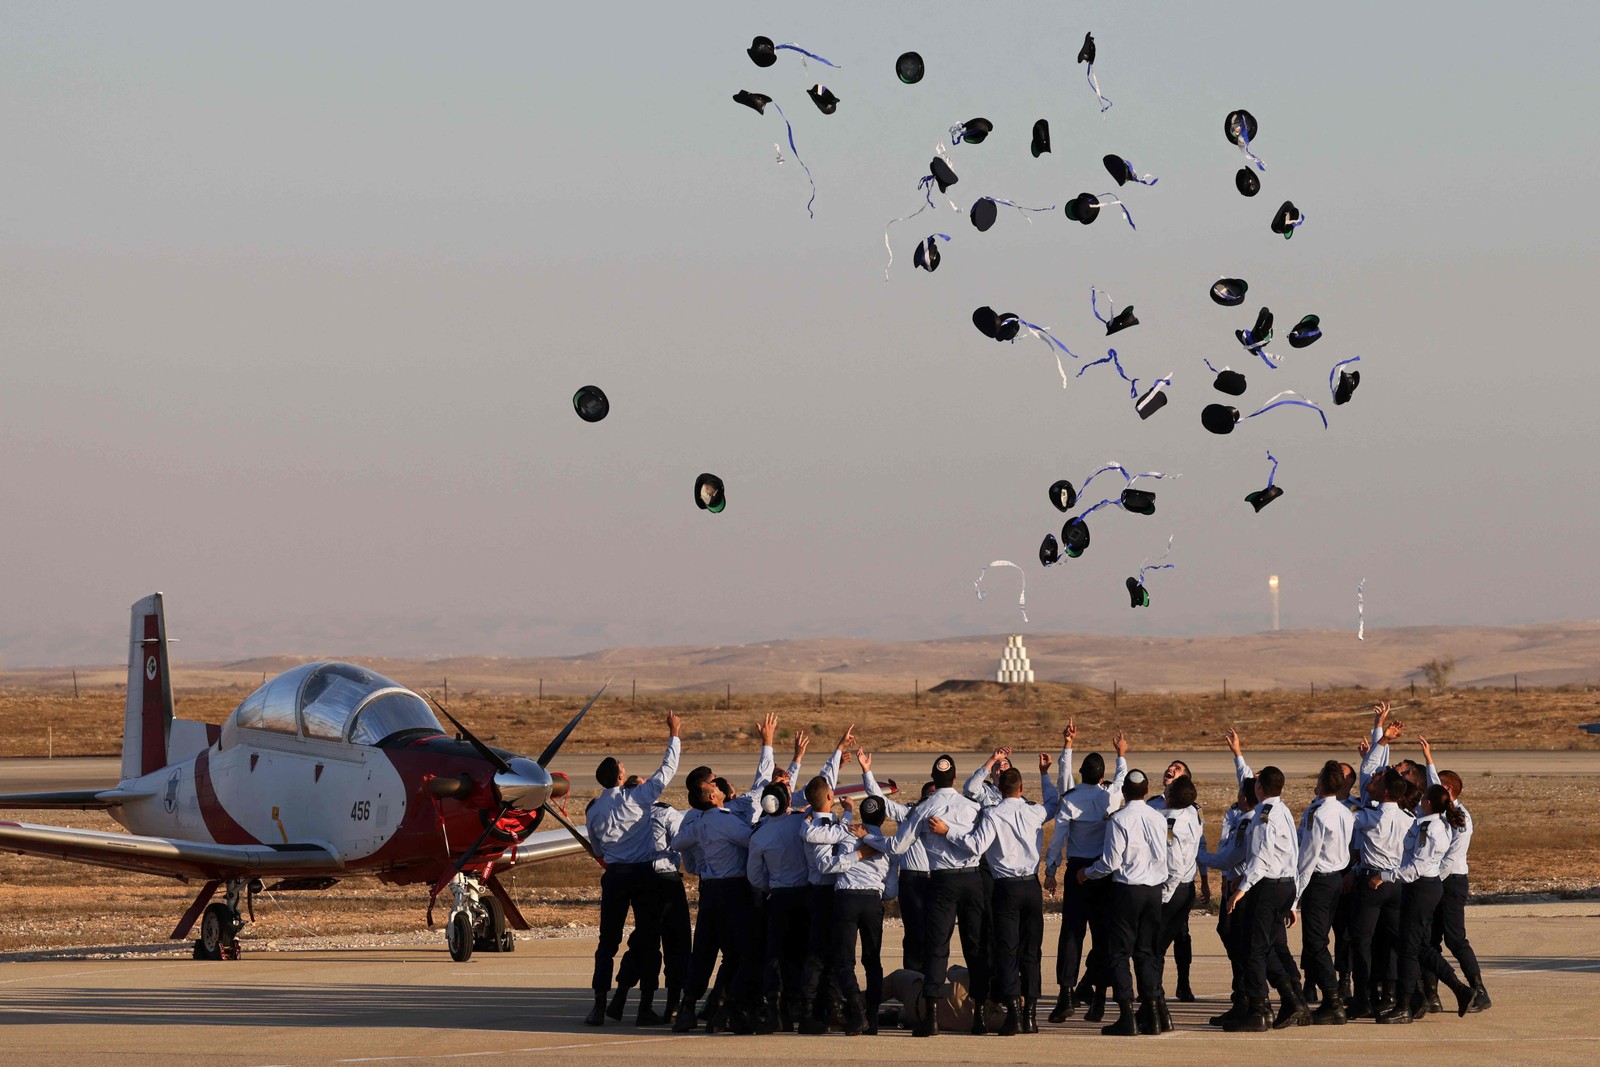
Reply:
x=476, y=922
x=221, y=922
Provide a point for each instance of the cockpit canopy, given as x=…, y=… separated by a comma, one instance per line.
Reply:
x=331, y=702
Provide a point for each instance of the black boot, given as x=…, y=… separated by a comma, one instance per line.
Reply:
x=1125, y=1025
x=1011, y=1024
x=1097, y=1007
x=1235, y=1011
x=929, y=1026
x=685, y=1021
x=1256, y=1018
x=670, y=1011
x=1430, y=985
x=1399, y=1013
x=1163, y=1017
x=1030, y=1015
x=713, y=1005
x=647, y=1014
x=1084, y=993
x=1418, y=1003
x=619, y=1001
x=786, y=1015
x=738, y=1019
x=855, y=1015
x=980, y=1025
x=770, y=1017
x=1184, y=993
x=811, y=1023
x=1145, y=1018
x=1064, y=1008
x=1480, y=1000
x=1330, y=1012
x=1385, y=999
x=597, y=1014
x=1294, y=1011
x=1346, y=993
x=871, y=1028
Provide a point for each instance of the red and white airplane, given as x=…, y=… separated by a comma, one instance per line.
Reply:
x=327, y=771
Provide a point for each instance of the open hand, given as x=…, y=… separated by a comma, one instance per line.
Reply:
x=938, y=825
x=768, y=729
x=1231, y=736
x=802, y=741
x=1120, y=743
x=865, y=759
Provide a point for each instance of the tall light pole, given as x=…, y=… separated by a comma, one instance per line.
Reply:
x=1272, y=584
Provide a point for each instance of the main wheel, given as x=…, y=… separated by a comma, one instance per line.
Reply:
x=218, y=934
x=458, y=934
x=494, y=926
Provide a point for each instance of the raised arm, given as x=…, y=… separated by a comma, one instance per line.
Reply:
x=1241, y=769
x=1064, y=780
x=802, y=741
x=830, y=770
x=1427, y=756
x=1049, y=796
x=895, y=810
x=649, y=791
x=1120, y=744
x=765, y=764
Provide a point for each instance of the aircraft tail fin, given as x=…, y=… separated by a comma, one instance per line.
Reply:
x=147, y=721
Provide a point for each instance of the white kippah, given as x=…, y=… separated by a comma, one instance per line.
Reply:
x=1137, y=777
x=944, y=764
x=769, y=804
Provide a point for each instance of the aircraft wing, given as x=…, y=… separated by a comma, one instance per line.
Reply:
x=83, y=799
x=170, y=857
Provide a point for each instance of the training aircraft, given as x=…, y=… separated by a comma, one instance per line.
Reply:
x=326, y=772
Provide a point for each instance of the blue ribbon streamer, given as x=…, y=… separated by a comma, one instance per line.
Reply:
x=1113, y=198
x=802, y=51
x=1098, y=506
x=1258, y=348
x=1209, y=367
x=1111, y=358
x=1244, y=137
x=1333, y=375
x=1273, y=476
x=1094, y=83
x=1048, y=337
x=1094, y=306
x=798, y=160
x=1143, y=570
x=1019, y=207
x=1127, y=479
x=1298, y=401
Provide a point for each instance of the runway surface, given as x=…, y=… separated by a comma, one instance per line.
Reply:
x=38, y=775
x=414, y=1006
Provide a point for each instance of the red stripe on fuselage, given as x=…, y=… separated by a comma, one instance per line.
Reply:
x=153, y=716
x=223, y=828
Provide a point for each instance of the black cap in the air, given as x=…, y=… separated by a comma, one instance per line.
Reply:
x=1138, y=595
x=908, y=68
x=755, y=101
x=1153, y=400
x=1348, y=380
x=1086, y=53
x=1007, y=325
x=1041, y=138
x=1139, y=501
x=1121, y=321
x=590, y=403
x=1063, y=495
x=1307, y=331
x=1229, y=292
x=973, y=131
x=1262, y=497
x=984, y=319
x=823, y=97
x=1260, y=333
x=1075, y=537
x=1084, y=207
x=1219, y=418
x=1286, y=218
x=983, y=213
x=1049, y=550
x=1239, y=127
x=709, y=494
x=762, y=52
x=943, y=176
x=927, y=255
x=1120, y=169
x=1230, y=382
x=1247, y=182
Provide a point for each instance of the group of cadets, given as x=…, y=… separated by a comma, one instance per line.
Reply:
x=792, y=888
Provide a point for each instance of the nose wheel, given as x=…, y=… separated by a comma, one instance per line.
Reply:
x=221, y=922
x=477, y=921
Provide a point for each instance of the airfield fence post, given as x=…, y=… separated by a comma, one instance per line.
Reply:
x=541, y=690
x=1413, y=688
x=916, y=692
x=1515, y=690
x=1224, y=689
x=50, y=750
x=728, y=705
x=1113, y=696
x=819, y=692
x=1313, y=688
x=74, y=685
x=635, y=695
x=447, y=689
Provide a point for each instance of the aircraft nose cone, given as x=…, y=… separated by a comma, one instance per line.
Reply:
x=525, y=787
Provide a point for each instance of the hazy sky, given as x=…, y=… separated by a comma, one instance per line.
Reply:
x=295, y=297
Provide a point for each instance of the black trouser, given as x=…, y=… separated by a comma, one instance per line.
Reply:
x=1135, y=929
x=986, y=933
x=1267, y=958
x=1174, y=931
x=1318, y=904
x=817, y=978
x=1232, y=932
x=913, y=919
x=785, y=941
x=624, y=886
x=721, y=925
x=1374, y=924
x=1018, y=936
x=1418, y=901
x=1343, y=915
x=858, y=913
x=1450, y=928
x=956, y=897
x=1083, y=908
x=672, y=922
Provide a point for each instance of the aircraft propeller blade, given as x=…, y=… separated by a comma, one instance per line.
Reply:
x=484, y=750
x=554, y=746
x=472, y=850
x=573, y=830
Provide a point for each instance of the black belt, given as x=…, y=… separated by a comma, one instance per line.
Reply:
x=1017, y=878
x=1368, y=872
x=864, y=892
x=907, y=873
x=631, y=868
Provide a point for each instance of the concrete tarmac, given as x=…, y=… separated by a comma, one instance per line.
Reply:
x=414, y=1006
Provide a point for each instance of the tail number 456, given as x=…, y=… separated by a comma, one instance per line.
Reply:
x=361, y=810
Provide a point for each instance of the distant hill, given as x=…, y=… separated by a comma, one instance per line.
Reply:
x=1544, y=655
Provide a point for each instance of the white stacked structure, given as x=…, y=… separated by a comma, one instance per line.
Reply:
x=1014, y=666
